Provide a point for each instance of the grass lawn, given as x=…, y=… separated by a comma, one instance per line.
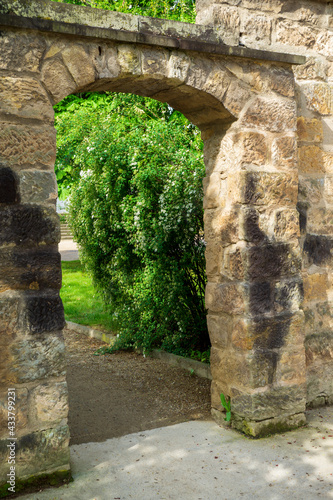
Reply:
x=81, y=302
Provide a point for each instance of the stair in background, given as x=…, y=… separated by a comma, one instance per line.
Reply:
x=66, y=233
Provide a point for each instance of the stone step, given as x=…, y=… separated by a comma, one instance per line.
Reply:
x=66, y=233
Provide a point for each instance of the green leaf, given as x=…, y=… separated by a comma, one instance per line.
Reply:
x=227, y=406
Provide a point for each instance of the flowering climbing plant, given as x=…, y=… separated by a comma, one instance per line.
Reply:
x=134, y=169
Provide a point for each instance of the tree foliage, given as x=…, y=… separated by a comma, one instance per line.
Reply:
x=178, y=10
x=136, y=169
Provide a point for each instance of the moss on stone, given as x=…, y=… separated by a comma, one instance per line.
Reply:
x=264, y=428
x=37, y=482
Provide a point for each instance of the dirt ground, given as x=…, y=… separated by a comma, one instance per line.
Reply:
x=117, y=394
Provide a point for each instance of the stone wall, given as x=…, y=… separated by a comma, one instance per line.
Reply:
x=304, y=27
x=264, y=194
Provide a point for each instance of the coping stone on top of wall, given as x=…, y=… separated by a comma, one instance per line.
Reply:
x=46, y=15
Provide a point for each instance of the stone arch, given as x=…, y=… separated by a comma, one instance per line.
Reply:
x=247, y=115
x=246, y=111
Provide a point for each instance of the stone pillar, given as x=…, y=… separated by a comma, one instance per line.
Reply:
x=255, y=289
x=31, y=312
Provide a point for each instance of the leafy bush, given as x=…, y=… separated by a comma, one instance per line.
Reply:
x=136, y=211
x=179, y=10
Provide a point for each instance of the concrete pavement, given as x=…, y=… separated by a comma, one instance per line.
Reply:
x=202, y=461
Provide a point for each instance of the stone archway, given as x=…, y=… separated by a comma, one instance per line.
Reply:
x=246, y=110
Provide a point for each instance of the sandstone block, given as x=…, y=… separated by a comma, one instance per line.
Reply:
x=37, y=186
x=320, y=221
x=227, y=298
x=50, y=402
x=328, y=189
x=24, y=145
x=281, y=80
x=34, y=358
x=202, y=73
x=251, y=229
x=263, y=5
x=217, y=83
x=220, y=329
x=214, y=191
x=243, y=335
x=129, y=60
x=250, y=369
x=268, y=426
x=312, y=189
x=309, y=129
x=263, y=77
x=29, y=269
x=285, y=224
x=236, y=97
x=21, y=411
x=221, y=226
x=29, y=225
x=318, y=249
x=291, y=369
x=288, y=296
x=218, y=387
x=251, y=148
x=272, y=261
x=275, y=401
x=9, y=318
x=318, y=318
x=57, y=79
x=295, y=34
x=54, y=47
x=43, y=313
x=234, y=263
x=319, y=384
x=178, y=66
x=24, y=97
x=227, y=19
x=312, y=159
x=255, y=30
x=284, y=152
x=79, y=64
x=20, y=53
x=155, y=62
x=311, y=13
x=315, y=287
x=270, y=114
x=105, y=60
x=213, y=254
x=41, y=451
x=324, y=43
x=224, y=157
x=250, y=73
x=313, y=69
x=266, y=333
x=318, y=97
x=319, y=348
x=263, y=188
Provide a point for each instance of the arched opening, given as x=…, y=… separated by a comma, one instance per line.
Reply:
x=152, y=166
x=200, y=107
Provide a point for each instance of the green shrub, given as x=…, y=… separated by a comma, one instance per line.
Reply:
x=136, y=211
